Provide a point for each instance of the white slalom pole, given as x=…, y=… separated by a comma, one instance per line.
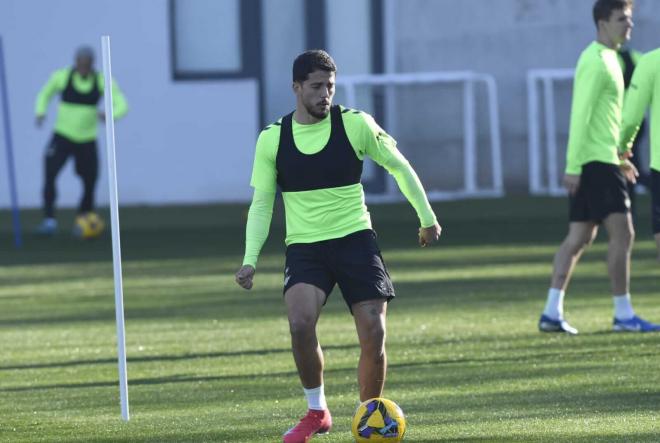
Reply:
x=114, y=217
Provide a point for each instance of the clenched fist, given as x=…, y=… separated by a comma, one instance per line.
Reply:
x=244, y=276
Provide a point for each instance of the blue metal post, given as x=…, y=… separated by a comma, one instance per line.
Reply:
x=10, y=153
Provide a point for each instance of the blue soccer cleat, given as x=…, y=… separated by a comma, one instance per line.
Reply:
x=47, y=227
x=634, y=324
x=546, y=324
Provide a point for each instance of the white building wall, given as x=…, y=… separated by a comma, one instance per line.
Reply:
x=505, y=38
x=283, y=40
x=183, y=141
x=193, y=141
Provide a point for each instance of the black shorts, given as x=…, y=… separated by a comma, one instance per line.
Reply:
x=352, y=262
x=655, y=201
x=602, y=191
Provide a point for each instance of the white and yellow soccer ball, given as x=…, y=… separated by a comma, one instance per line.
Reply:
x=88, y=226
x=378, y=419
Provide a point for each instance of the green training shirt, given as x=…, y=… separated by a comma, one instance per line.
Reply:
x=596, y=109
x=324, y=214
x=644, y=91
x=77, y=122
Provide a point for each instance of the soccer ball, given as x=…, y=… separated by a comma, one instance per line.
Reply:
x=88, y=226
x=378, y=419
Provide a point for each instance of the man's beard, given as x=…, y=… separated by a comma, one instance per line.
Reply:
x=317, y=114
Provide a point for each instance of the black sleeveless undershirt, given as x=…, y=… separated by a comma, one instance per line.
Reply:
x=333, y=166
x=629, y=66
x=71, y=95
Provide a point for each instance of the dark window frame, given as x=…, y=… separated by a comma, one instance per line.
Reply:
x=250, y=39
x=316, y=29
x=316, y=26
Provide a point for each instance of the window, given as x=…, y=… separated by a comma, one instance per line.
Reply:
x=215, y=39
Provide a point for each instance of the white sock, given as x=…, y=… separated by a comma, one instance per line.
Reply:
x=554, y=307
x=622, y=307
x=316, y=398
x=50, y=222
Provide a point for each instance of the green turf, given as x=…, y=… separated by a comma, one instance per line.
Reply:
x=210, y=362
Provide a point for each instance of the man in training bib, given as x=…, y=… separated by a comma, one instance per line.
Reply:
x=80, y=88
x=315, y=156
x=596, y=173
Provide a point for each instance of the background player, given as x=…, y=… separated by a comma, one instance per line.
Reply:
x=595, y=175
x=645, y=91
x=80, y=88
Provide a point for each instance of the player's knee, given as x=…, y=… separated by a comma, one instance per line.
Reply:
x=301, y=327
x=629, y=239
x=373, y=341
x=577, y=244
x=375, y=354
x=626, y=237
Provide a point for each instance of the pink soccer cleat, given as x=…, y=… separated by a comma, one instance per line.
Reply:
x=315, y=422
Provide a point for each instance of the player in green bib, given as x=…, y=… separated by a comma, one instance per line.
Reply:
x=644, y=92
x=597, y=173
x=80, y=88
x=314, y=155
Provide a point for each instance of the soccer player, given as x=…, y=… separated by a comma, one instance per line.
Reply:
x=315, y=155
x=628, y=59
x=645, y=91
x=80, y=88
x=595, y=175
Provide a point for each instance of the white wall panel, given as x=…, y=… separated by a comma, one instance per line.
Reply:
x=180, y=142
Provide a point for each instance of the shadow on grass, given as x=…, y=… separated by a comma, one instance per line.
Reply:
x=219, y=230
x=561, y=353
x=471, y=368
x=182, y=378
x=197, y=231
x=164, y=358
x=470, y=292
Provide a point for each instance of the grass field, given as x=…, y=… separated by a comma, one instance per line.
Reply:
x=210, y=362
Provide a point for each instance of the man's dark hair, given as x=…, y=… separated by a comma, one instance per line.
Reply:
x=603, y=8
x=85, y=52
x=310, y=61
